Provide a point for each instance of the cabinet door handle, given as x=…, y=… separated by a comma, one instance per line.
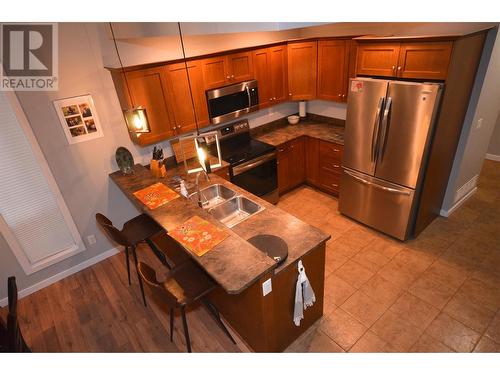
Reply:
x=228, y=77
x=394, y=67
x=336, y=150
x=232, y=75
x=336, y=166
x=340, y=95
x=343, y=95
x=335, y=185
x=290, y=94
x=270, y=99
x=399, y=68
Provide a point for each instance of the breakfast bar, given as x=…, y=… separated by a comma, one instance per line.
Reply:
x=263, y=322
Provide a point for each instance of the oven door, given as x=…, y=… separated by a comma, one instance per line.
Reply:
x=232, y=101
x=259, y=176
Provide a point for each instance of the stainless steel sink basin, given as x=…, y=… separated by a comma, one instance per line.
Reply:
x=235, y=210
x=213, y=195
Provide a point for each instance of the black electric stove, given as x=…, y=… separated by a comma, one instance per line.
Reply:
x=252, y=163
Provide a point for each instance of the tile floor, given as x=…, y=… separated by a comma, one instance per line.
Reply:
x=438, y=293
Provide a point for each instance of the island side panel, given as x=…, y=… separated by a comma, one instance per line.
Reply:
x=249, y=313
x=265, y=323
x=284, y=285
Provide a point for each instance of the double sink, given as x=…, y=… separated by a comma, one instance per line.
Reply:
x=225, y=205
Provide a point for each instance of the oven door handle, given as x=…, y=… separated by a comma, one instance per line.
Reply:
x=242, y=168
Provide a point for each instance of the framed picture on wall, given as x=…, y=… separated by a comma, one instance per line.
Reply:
x=78, y=118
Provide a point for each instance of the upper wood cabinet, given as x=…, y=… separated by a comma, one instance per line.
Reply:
x=240, y=66
x=424, y=60
x=302, y=70
x=215, y=72
x=262, y=72
x=421, y=60
x=269, y=65
x=333, y=61
x=180, y=99
x=377, y=59
x=226, y=69
x=148, y=89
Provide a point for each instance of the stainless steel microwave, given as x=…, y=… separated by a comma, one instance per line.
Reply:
x=232, y=101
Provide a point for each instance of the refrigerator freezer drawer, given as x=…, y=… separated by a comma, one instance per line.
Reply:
x=381, y=205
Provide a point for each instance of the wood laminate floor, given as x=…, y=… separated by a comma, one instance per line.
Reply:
x=438, y=293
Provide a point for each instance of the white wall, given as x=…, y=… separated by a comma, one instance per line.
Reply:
x=494, y=147
x=481, y=117
x=327, y=108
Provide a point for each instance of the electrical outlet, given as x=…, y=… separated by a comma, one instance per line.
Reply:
x=267, y=287
x=479, y=123
x=91, y=240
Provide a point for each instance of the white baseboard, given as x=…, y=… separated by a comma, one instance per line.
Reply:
x=447, y=213
x=61, y=275
x=493, y=157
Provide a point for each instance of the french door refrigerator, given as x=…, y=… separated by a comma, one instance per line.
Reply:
x=389, y=127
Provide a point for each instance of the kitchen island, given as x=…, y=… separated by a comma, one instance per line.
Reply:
x=263, y=322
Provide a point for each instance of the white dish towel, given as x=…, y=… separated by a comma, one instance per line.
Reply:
x=304, y=295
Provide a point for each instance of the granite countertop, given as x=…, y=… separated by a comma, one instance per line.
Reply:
x=234, y=264
x=286, y=132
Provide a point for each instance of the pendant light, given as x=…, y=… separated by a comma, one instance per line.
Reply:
x=135, y=117
x=201, y=141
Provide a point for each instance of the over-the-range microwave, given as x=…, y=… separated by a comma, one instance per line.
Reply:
x=228, y=102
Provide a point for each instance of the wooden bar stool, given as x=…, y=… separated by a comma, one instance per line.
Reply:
x=141, y=229
x=184, y=284
x=12, y=340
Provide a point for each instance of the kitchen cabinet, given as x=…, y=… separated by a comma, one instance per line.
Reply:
x=148, y=89
x=284, y=167
x=298, y=166
x=312, y=160
x=226, y=69
x=424, y=60
x=420, y=60
x=377, y=59
x=178, y=95
x=333, y=61
x=330, y=169
x=279, y=73
x=291, y=164
x=269, y=66
x=302, y=70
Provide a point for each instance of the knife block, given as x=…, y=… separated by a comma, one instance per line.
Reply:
x=158, y=168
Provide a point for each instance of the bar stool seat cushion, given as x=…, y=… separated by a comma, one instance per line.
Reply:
x=188, y=282
x=140, y=228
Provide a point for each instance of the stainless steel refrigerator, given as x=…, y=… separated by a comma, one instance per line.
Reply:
x=389, y=127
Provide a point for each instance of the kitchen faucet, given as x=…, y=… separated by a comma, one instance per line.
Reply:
x=207, y=177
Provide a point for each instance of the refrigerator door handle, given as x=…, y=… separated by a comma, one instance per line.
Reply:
x=376, y=124
x=377, y=186
x=383, y=136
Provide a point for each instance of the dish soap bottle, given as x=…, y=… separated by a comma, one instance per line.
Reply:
x=184, y=191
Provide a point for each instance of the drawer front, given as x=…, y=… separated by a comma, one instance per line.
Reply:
x=331, y=163
x=330, y=150
x=329, y=180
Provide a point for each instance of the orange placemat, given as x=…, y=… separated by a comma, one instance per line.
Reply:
x=198, y=235
x=155, y=195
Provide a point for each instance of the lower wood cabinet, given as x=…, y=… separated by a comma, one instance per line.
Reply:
x=310, y=160
x=330, y=166
x=291, y=164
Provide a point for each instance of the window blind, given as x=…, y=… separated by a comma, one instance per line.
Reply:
x=28, y=204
